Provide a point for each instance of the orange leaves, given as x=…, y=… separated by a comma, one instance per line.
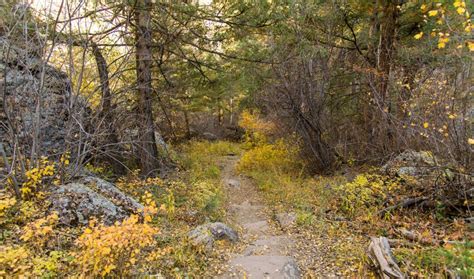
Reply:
x=104, y=249
x=40, y=231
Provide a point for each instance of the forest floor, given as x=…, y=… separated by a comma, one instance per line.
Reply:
x=271, y=244
x=291, y=224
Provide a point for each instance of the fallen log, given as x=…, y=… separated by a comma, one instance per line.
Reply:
x=415, y=237
x=406, y=203
x=381, y=255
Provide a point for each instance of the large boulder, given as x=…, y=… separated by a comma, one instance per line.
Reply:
x=412, y=163
x=76, y=203
x=38, y=97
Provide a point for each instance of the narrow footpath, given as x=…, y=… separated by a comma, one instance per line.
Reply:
x=267, y=250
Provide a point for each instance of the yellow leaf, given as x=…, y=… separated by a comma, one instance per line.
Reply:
x=418, y=36
x=433, y=12
x=423, y=7
x=460, y=10
x=470, y=45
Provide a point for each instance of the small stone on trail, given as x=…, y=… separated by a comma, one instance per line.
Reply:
x=232, y=182
x=286, y=220
x=208, y=233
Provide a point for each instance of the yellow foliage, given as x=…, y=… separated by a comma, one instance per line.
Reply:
x=206, y=195
x=433, y=12
x=459, y=3
x=278, y=157
x=49, y=266
x=470, y=45
x=35, y=176
x=254, y=123
x=117, y=249
x=6, y=203
x=461, y=10
x=418, y=36
x=14, y=262
x=204, y=153
x=257, y=130
x=133, y=184
x=367, y=190
x=38, y=232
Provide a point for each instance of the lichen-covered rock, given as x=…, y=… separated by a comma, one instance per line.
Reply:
x=26, y=81
x=205, y=235
x=76, y=203
x=412, y=163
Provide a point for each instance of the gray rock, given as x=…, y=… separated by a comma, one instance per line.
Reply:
x=205, y=235
x=268, y=246
x=286, y=220
x=29, y=79
x=232, y=182
x=412, y=171
x=209, y=136
x=412, y=163
x=76, y=203
x=258, y=227
x=112, y=193
x=290, y=270
x=275, y=267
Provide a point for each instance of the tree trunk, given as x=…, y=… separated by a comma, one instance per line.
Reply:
x=385, y=28
x=106, y=117
x=148, y=151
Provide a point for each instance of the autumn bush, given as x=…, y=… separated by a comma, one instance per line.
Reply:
x=280, y=156
x=40, y=231
x=365, y=194
x=121, y=249
x=257, y=130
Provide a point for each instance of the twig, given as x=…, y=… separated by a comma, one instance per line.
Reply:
x=406, y=203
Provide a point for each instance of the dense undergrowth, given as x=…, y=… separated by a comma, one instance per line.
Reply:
x=345, y=209
x=34, y=244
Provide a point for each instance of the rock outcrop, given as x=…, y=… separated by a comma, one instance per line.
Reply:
x=37, y=98
x=76, y=203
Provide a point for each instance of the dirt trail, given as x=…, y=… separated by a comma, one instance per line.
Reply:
x=267, y=250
